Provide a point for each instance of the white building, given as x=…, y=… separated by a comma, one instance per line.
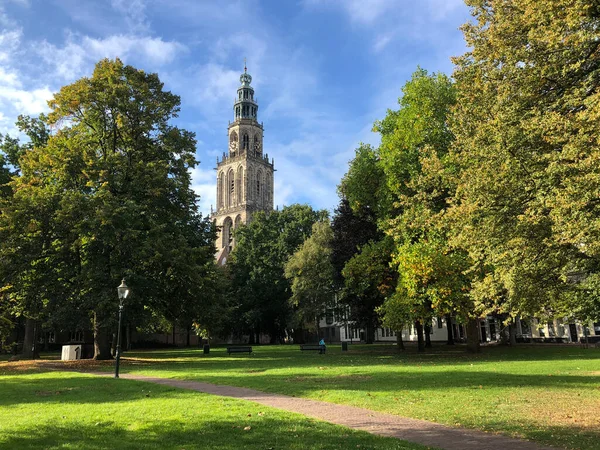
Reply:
x=336, y=329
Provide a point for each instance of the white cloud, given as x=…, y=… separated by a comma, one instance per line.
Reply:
x=9, y=43
x=382, y=41
x=31, y=102
x=134, y=12
x=79, y=53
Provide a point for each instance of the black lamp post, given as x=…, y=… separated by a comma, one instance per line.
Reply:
x=123, y=291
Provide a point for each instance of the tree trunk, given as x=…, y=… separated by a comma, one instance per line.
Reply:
x=512, y=333
x=420, y=341
x=449, y=330
x=173, y=333
x=187, y=337
x=101, y=340
x=370, y=337
x=427, y=335
x=399, y=341
x=473, y=336
x=30, y=347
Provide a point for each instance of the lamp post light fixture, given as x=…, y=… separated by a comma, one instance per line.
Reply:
x=123, y=291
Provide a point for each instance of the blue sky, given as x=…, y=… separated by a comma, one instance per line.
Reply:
x=323, y=70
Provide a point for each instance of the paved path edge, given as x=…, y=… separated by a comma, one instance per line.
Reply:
x=382, y=424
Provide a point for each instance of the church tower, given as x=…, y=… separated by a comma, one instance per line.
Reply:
x=244, y=174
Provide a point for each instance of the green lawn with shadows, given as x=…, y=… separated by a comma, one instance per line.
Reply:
x=66, y=410
x=550, y=394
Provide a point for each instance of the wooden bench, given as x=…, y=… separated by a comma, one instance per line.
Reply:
x=320, y=348
x=244, y=349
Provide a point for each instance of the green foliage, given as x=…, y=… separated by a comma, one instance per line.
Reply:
x=311, y=274
x=351, y=230
x=527, y=145
x=108, y=196
x=259, y=286
x=364, y=185
x=369, y=279
x=414, y=157
x=418, y=130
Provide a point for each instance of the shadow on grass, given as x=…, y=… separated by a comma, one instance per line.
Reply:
x=126, y=416
x=440, y=353
x=24, y=389
x=209, y=434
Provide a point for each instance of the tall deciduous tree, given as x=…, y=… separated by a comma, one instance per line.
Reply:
x=415, y=143
x=527, y=133
x=109, y=196
x=369, y=279
x=311, y=274
x=257, y=264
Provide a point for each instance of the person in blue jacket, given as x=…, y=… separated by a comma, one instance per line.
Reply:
x=322, y=345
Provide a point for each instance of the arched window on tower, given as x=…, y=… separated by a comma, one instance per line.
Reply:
x=239, y=177
x=245, y=142
x=227, y=233
x=249, y=186
x=237, y=112
x=256, y=145
x=233, y=139
x=230, y=188
x=259, y=187
x=220, y=191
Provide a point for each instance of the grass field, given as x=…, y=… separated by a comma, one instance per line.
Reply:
x=65, y=410
x=550, y=394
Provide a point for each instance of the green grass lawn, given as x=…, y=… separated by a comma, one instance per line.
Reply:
x=66, y=410
x=549, y=394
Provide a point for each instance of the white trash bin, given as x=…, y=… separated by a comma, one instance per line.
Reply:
x=71, y=352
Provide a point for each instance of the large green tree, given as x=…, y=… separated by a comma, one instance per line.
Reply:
x=414, y=159
x=527, y=129
x=312, y=276
x=257, y=264
x=109, y=196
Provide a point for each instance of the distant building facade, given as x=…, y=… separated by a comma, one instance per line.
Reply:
x=244, y=173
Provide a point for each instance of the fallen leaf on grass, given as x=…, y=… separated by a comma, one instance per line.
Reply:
x=247, y=428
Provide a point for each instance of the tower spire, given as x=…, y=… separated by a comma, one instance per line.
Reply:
x=245, y=69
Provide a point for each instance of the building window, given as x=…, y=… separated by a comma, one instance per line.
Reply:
x=542, y=334
x=597, y=328
x=76, y=336
x=329, y=317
